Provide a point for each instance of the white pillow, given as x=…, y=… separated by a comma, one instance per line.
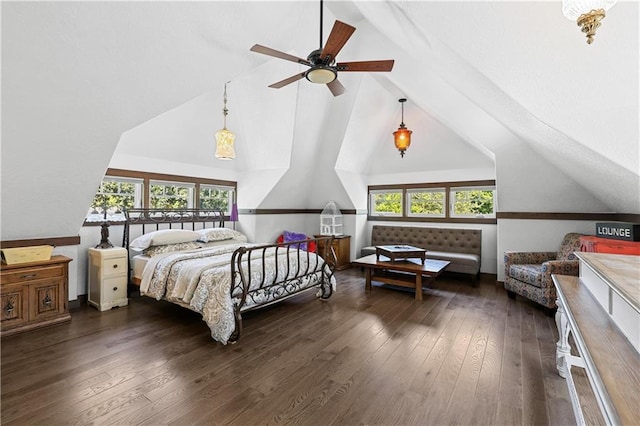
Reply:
x=218, y=234
x=164, y=236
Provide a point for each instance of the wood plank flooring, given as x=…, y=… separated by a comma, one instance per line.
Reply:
x=463, y=355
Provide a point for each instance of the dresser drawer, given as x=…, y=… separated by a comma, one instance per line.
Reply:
x=114, y=266
x=32, y=274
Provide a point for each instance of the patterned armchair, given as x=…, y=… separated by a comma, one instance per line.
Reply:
x=529, y=273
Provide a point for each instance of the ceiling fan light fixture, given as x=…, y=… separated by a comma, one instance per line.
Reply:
x=321, y=74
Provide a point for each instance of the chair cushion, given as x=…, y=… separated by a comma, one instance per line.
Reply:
x=527, y=273
x=460, y=262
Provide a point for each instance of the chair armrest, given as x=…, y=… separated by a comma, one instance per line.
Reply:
x=558, y=267
x=526, y=257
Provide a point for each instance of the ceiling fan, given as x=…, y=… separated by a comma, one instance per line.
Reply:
x=323, y=68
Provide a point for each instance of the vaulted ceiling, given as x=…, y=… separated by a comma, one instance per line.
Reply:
x=506, y=90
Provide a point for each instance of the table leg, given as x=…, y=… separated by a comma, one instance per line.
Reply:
x=418, y=286
x=367, y=278
x=563, y=349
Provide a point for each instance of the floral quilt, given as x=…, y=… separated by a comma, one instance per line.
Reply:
x=201, y=279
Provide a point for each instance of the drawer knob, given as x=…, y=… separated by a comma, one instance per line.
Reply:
x=115, y=266
x=115, y=288
x=8, y=308
x=47, y=300
x=27, y=276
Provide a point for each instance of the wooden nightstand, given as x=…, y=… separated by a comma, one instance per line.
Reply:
x=342, y=247
x=108, y=277
x=34, y=294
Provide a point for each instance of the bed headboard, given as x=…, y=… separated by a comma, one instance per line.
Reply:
x=154, y=219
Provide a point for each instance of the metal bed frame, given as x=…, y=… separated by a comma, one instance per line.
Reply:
x=243, y=287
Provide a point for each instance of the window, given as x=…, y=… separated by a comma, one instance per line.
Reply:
x=426, y=202
x=475, y=202
x=116, y=194
x=468, y=201
x=216, y=197
x=385, y=203
x=126, y=189
x=170, y=195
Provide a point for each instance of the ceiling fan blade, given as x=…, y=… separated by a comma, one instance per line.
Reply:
x=336, y=87
x=370, y=66
x=278, y=54
x=286, y=81
x=339, y=35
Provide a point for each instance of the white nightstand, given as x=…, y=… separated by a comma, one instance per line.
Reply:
x=108, y=277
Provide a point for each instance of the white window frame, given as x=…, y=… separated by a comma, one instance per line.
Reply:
x=230, y=197
x=137, y=195
x=417, y=190
x=190, y=186
x=372, y=204
x=452, y=201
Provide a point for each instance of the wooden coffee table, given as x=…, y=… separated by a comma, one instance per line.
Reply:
x=404, y=273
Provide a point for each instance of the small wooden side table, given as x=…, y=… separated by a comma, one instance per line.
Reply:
x=342, y=247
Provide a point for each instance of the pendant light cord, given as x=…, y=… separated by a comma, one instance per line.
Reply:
x=225, y=111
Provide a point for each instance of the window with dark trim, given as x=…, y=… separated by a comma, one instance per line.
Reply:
x=122, y=189
x=468, y=201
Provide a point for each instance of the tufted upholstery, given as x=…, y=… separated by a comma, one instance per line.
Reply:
x=461, y=247
x=529, y=273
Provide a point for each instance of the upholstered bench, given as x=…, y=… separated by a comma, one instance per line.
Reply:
x=461, y=247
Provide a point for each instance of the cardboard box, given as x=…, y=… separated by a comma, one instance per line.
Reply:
x=11, y=256
x=625, y=231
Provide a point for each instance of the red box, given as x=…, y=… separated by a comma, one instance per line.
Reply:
x=606, y=245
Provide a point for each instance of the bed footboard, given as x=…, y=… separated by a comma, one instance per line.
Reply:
x=292, y=270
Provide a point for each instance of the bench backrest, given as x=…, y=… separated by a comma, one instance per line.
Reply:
x=436, y=239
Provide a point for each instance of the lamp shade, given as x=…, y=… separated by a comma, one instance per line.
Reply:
x=225, y=140
x=573, y=9
x=402, y=139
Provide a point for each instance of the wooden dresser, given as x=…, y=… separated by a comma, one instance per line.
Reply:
x=34, y=294
x=342, y=247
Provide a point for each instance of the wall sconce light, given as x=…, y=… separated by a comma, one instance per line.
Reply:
x=587, y=13
x=225, y=138
x=402, y=136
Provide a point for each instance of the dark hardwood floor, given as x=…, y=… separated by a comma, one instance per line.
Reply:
x=463, y=355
